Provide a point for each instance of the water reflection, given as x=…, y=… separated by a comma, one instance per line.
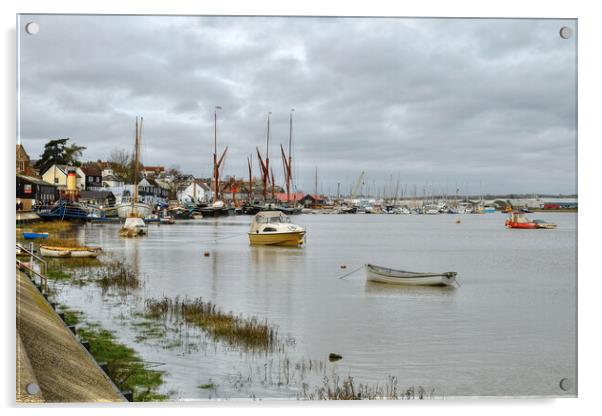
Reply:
x=268, y=259
x=382, y=289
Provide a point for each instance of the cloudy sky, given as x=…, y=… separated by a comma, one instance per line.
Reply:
x=440, y=103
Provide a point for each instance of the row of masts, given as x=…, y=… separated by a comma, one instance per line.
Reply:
x=267, y=173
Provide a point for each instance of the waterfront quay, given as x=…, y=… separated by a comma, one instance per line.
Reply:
x=52, y=364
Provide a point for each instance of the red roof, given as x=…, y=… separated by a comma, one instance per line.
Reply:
x=154, y=168
x=91, y=170
x=295, y=196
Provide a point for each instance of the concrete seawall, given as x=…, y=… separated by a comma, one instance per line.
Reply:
x=49, y=355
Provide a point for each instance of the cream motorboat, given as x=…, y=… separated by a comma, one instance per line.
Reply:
x=275, y=228
x=400, y=277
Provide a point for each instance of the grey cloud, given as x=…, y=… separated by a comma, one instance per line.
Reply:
x=434, y=100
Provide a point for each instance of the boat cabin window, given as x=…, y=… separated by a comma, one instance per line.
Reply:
x=273, y=220
x=269, y=229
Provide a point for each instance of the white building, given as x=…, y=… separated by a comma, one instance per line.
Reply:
x=110, y=181
x=195, y=191
x=57, y=175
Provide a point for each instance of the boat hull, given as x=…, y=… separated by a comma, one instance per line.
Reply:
x=84, y=253
x=141, y=210
x=48, y=251
x=214, y=212
x=34, y=236
x=291, y=239
x=133, y=227
x=521, y=225
x=381, y=275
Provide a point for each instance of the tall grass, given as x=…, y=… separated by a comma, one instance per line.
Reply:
x=117, y=273
x=335, y=388
x=225, y=326
x=105, y=271
x=49, y=226
x=60, y=233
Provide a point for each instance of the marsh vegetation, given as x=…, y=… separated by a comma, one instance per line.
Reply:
x=247, y=332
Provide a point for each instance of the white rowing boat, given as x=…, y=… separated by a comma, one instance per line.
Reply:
x=49, y=251
x=401, y=277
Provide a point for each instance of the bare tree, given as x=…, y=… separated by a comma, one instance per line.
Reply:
x=122, y=164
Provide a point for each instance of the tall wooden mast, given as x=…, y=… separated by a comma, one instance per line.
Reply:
x=266, y=177
x=273, y=183
x=265, y=165
x=288, y=163
x=250, y=163
x=215, y=170
x=216, y=163
x=136, y=164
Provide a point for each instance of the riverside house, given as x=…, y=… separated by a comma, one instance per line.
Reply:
x=34, y=191
x=196, y=190
x=57, y=175
x=93, y=176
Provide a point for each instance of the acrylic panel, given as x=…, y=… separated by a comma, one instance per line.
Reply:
x=314, y=208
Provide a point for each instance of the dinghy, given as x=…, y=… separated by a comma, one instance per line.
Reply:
x=401, y=277
x=54, y=251
x=33, y=236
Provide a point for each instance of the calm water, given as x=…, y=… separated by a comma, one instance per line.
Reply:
x=510, y=329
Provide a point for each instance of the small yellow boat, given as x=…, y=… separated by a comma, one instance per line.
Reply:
x=55, y=251
x=274, y=228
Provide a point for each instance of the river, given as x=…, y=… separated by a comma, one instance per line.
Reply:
x=509, y=328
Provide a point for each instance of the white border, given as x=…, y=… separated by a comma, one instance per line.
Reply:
x=589, y=122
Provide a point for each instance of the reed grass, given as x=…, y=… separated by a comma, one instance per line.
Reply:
x=116, y=273
x=106, y=272
x=335, y=388
x=60, y=233
x=55, y=241
x=50, y=226
x=235, y=330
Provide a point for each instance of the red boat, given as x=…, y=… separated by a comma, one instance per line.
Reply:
x=519, y=220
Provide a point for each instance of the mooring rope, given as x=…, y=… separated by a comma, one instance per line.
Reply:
x=222, y=238
x=351, y=272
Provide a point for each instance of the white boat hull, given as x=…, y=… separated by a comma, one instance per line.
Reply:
x=133, y=226
x=85, y=253
x=67, y=252
x=125, y=210
x=421, y=279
